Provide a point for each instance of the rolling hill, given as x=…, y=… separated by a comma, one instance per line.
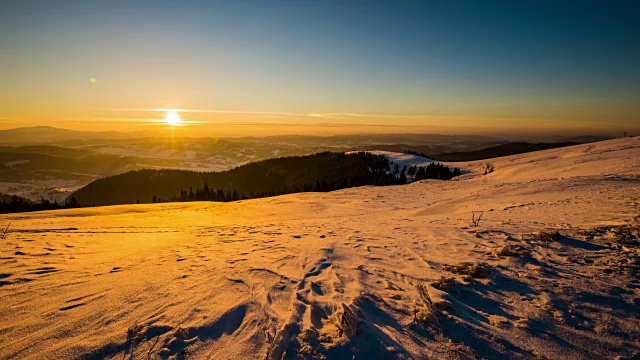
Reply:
x=319, y=172
x=399, y=272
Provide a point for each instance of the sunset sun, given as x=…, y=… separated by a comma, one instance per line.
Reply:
x=172, y=118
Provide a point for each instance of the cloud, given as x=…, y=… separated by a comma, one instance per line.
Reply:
x=324, y=115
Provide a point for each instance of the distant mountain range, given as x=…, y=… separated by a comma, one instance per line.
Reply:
x=51, y=135
x=38, y=135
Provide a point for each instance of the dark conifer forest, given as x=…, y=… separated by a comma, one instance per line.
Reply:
x=14, y=204
x=320, y=172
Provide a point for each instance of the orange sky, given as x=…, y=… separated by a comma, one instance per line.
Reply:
x=282, y=67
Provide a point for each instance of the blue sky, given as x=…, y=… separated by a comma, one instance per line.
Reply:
x=570, y=62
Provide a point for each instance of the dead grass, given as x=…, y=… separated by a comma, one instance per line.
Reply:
x=489, y=168
x=445, y=283
x=347, y=323
x=425, y=313
x=626, y=234
x=511, y=250
x=548, y=236
x=135, y=334
x=476, y=220
x=4, y=232
x=476, y=271
x=522, y=323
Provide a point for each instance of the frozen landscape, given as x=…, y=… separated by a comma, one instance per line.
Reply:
x=52, y=163
x=400, y=272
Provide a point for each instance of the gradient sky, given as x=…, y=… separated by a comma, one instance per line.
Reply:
x=447, y=66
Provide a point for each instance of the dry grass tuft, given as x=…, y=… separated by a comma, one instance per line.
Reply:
x=626, y=234
x=445, y=283
x=548, y=236
x=522, y=323
x=499, y=321
x=4, y=232
x=476, y=271
x=511, y=250
x=425, y=313
x=489, y=168
x=347, y=322
x=135, y=333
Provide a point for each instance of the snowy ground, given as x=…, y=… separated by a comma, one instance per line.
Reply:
x=52, y=189
x=402, y=159
x=370, y=272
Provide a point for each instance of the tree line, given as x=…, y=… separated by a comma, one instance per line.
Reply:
x=432, y=171
x=15, y=204
x=320, y=172
x=398, y=176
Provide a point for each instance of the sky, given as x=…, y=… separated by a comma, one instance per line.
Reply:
x=310, y=66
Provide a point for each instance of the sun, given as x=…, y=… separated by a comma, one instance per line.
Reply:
x=172, y=118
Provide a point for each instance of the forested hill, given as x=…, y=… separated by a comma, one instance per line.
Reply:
x=319, y=172
x=14, y=203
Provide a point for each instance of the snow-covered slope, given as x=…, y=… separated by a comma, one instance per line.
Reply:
x=402, y=159
x=370, y=272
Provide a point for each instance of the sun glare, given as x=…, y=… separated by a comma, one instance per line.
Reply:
x=172, y=118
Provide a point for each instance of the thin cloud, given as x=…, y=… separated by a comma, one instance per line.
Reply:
x=334, y=115
x=207, y=111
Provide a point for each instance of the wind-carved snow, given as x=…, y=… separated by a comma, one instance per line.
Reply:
x=395, y=272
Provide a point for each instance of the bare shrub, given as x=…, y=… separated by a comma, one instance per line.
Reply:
x=4, y=232
x=476, y=220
